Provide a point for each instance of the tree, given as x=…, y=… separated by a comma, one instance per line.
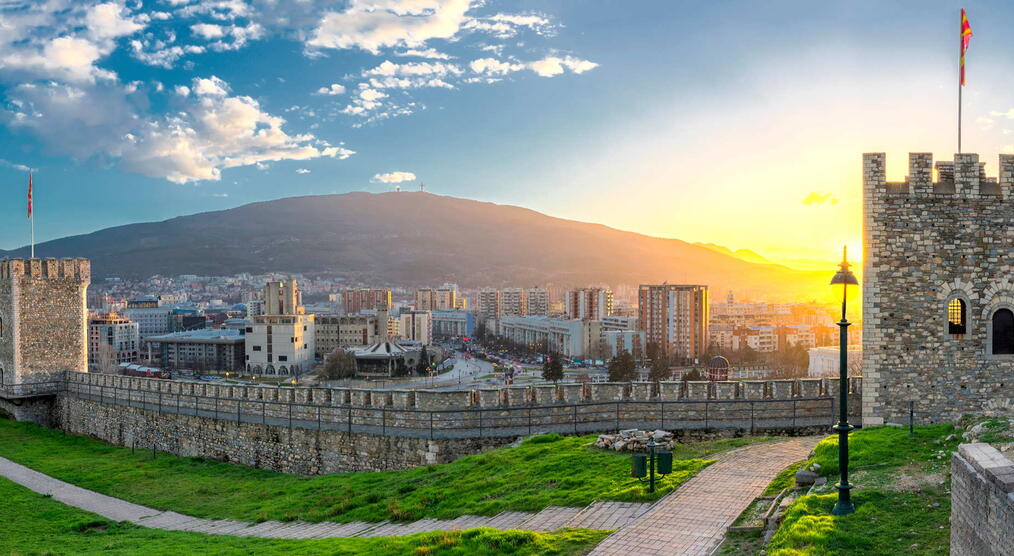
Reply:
x=659, y=369
x=694, y=374
x=622, y=368
x=423, y=365
x=552, y=368
x=338, y=364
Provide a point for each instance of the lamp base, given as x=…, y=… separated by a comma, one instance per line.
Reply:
x=843, y=507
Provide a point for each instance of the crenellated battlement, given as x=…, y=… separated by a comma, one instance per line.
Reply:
x=46, y=269
x=963, y=177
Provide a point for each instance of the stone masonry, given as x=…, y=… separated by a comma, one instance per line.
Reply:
x=925, y=243
x=982, y=502
x=43, y=319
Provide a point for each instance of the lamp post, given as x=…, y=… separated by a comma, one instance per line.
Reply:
x=844, y=506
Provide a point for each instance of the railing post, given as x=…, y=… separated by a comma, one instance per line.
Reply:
x=264, y=412
x=216, y=407
x=575, y=419
x=707, y=425
x=617, y=416
x=751, y=417
x=431, y=425
x=160, y=402
x=661, y=407
x=290, y=417
x=239, y=404
x=480, y=423
x=383, y=422
x=529, y=421
x=318, y=418
x=793, y=413
x=350, y=420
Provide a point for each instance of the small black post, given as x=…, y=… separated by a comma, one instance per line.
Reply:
x=350, y=420
x=651, y=463
x=239, y=404
x=911, y=418
x=431, y=425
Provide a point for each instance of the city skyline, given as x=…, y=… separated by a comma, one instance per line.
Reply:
x=566, y=134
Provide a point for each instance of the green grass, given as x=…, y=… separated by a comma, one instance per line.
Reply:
x=786, y=478
x=549, y=470
x=36, y=524
x=901, y=496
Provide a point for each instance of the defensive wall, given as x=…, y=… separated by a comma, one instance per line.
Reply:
x=326, y=430
x=982, y=502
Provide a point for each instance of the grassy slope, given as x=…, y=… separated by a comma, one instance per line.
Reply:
x=544, y=471
x=902, y=497
x=35, y=524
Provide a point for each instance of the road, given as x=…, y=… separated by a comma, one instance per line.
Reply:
x=465, y=372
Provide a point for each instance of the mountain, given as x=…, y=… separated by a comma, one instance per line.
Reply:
x=416, y=238
x=744, y=254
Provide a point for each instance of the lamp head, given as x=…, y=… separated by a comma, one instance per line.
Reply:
x=844, y=276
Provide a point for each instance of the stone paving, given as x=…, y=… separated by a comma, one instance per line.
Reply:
x=599, y=515
x=693, y=519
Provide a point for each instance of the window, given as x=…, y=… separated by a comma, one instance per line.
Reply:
x=957, y=322
x=249, y=329
x=283, y=357
x=257, y=348
x=1003, y=332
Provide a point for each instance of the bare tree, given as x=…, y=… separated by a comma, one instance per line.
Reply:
x=338, y=364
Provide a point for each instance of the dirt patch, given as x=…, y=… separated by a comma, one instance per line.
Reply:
x=912, y=479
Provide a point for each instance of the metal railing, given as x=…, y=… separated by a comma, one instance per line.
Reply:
x=31, y=389
x=585, y=417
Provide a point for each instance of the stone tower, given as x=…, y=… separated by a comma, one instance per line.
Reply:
x=938, y=297
x=43, y=319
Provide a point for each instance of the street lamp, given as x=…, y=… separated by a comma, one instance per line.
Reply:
x=844, y=278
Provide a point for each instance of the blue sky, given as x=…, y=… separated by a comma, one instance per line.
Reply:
x=740, y=123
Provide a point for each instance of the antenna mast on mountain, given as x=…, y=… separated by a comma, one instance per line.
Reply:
x=422, y=186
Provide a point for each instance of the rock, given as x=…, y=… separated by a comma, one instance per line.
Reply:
x=815, y=467
x=661, y=435
x=627, y=433
x=821, y=481
x=805, y=478
x=619, y=445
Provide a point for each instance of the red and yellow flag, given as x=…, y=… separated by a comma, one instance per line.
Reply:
x=966, y=35
x=29, y=194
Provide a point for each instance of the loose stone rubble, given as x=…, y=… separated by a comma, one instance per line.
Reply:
x=635, y=440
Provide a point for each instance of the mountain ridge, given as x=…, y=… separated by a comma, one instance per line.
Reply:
x=415, y=238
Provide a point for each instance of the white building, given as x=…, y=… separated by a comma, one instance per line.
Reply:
x=567, y=337
x=513, y=302
x=151, y=315
x=489, y=303
x=615, y=342
x=417, y=326
x=281, y=341
x=536, y=302
x=453, y=324
x=824, y=361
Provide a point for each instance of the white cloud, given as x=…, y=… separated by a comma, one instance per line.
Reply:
x=333, y=89
x=208, y=30
x=388, y=68
x=1008, y=114
x=303, y=171
x=431, y=53
x=393, y=177
x=207, y=131
x=14, y=165
x=220, y=195
x=984, y=123
x=493, y=66
x=210, y=86
x=111, y=20
x=552, y=65
x=547, y=67
x=505, y=26
x=372, y=25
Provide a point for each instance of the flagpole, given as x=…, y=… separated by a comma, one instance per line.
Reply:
x=961, y=55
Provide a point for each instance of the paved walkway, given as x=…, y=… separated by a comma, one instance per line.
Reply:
x=693, y=519
x=599, y=515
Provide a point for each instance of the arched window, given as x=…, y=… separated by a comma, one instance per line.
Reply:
x=957, y=320
x=1003, y=332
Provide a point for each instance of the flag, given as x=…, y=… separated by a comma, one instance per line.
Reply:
x=29, y=194
x=966, y=35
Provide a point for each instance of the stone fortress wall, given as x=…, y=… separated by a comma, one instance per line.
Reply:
x=926, y=242
x=327, y=430
x=982, y=502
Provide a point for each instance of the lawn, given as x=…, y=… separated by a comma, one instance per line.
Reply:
x=36, y=524
x=901, y=495
x=547, y=470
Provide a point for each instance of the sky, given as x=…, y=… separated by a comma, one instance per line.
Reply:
x=736, y=123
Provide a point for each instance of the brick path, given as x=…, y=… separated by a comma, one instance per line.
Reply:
x=693, y=519
x=599, y=515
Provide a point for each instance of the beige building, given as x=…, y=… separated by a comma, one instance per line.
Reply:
x=112, y=340
x=588, y=303
x=536, y=302
x=282, y=340
x=675, y=317
x=438, y=299
x=356, y=301
x=334, y=332
x=489, y=303
x=416, y=326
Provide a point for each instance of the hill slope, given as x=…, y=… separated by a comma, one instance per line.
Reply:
x=414, y=238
